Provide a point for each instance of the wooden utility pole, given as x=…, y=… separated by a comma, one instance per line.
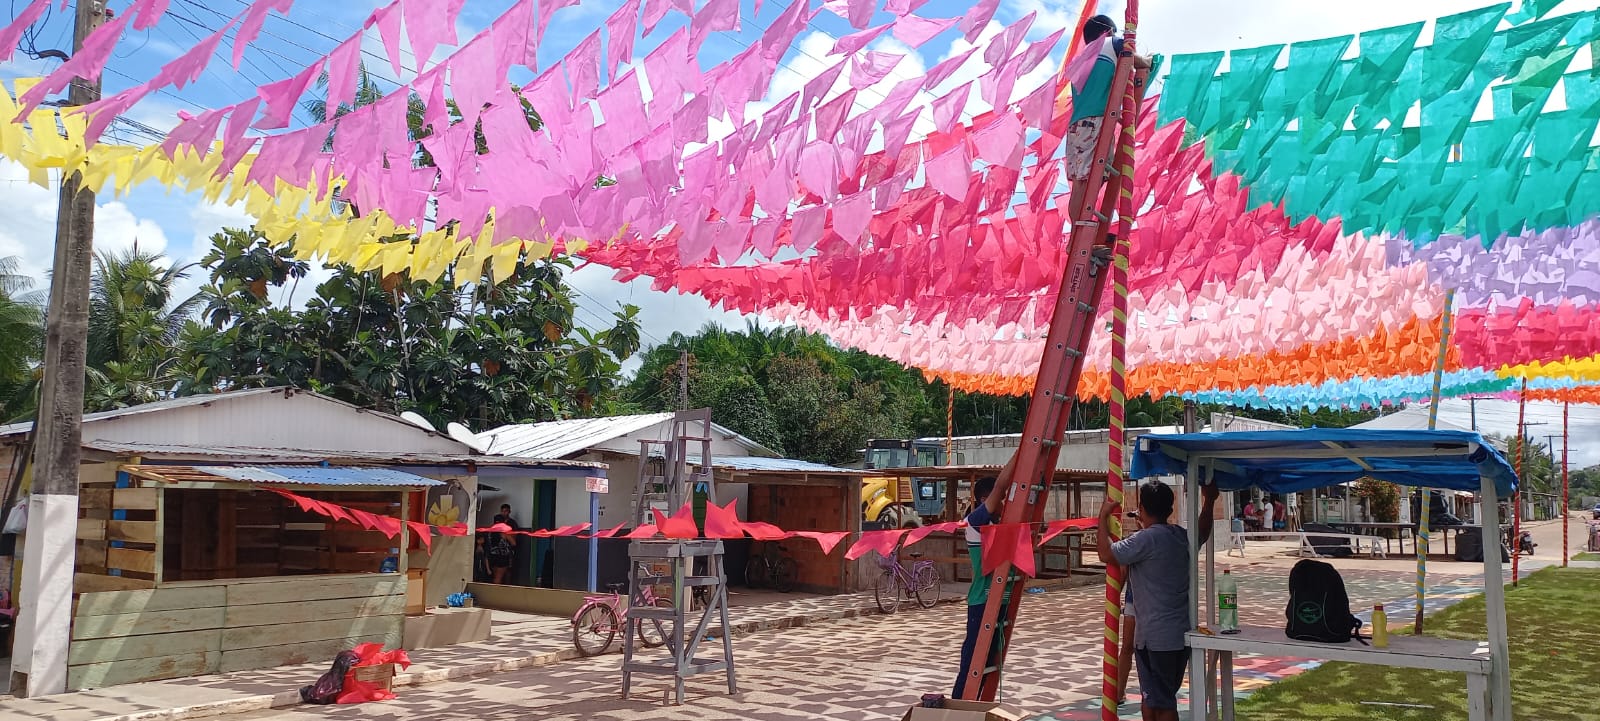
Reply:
x=683, y=381
x=45, y=608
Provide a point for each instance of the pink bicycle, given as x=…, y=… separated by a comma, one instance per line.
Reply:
x=895, y=583
x=598, y=620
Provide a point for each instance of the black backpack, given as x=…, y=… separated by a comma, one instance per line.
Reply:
x=1319, y=608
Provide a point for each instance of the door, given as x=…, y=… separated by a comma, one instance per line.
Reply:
x=544, y=518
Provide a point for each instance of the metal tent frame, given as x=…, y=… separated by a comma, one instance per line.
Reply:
x=1291, y=461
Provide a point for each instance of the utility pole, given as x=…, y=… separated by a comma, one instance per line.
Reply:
x=45, y=608
x=683, y=381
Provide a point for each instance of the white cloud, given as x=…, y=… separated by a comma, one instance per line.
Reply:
x=29, y=231
x=1500, y=418
x=208, y=218
x=117, y=229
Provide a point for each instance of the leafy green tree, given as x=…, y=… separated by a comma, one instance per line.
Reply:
x=1583, y=482
x=476, y=353
x=1540, y=471
x=21, y=342
x=135, y=321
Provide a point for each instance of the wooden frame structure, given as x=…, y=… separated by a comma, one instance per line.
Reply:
x=149, y=606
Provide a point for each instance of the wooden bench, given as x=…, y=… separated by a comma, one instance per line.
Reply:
x=1374, y=544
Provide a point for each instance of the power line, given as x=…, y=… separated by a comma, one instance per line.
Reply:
x=319, y=33
x=185, y=23
x=234, y=38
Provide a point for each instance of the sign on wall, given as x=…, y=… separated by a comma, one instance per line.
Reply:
x=595, y=484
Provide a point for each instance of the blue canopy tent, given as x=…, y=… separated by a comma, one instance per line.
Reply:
x=1293, y=461
x=1299, y=460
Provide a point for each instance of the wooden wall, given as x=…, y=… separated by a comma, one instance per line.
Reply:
x=809, y=508
x=198, y=627
x=127, y=545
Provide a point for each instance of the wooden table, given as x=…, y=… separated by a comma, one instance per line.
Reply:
x=1361, y=528
x=1470, y=657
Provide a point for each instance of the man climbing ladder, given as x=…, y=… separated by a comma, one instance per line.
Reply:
x=1090, y=255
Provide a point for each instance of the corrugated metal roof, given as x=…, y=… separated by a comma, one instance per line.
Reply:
x=776, y=465
x=294, y=455
x=184, y=402
x=558, y=439
x=320, y=476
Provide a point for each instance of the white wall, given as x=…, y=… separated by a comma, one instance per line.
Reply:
x=1081, y=450
x=449, y=563
x=721, y=444
x=271, y=420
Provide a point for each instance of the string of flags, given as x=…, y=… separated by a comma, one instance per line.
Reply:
x=1013, y=543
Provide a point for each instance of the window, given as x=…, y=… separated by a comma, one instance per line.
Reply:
x=222, y=533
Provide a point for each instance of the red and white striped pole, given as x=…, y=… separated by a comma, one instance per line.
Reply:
x=1119, y=370
x=1516, y=496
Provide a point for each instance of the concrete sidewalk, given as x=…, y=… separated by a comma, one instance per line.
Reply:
x=519, y=641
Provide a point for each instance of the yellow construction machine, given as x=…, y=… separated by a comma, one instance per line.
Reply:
x=898, y=502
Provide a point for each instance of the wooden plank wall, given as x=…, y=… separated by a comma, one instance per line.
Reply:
x=106, y=543
x=127, y=636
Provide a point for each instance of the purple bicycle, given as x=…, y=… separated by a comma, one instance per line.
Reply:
x=895, y=583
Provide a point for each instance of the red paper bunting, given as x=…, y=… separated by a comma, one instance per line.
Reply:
x=423, y=533
x=826, y=539
x=1008, y=543
x=723, y=521
x=1055, y=528
x=883, y=542
x=680, y=525
x=1003, y=543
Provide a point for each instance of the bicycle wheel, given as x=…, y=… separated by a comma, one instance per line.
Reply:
x=886, y=591
x=925, y=585
x=653, y=631
x=755, y=572
x=594, y=629
x=784, y=572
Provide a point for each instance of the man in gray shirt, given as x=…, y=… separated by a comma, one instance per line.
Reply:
x=1157, y=563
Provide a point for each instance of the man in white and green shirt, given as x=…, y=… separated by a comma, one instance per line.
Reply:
x=985, y=511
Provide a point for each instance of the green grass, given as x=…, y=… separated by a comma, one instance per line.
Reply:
x=1554, y=664
x=1586, y=556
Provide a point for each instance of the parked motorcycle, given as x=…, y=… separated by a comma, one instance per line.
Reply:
x=1525, y=544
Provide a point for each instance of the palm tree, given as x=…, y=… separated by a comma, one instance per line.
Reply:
x=135, y=321
x=21, y=341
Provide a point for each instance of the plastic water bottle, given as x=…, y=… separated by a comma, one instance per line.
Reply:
x=1228, y=602
x=1380, y=627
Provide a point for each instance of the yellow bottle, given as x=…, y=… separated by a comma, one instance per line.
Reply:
x=1380, y=627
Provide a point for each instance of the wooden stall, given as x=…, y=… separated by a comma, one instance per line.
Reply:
x=800, y=496
x=1060, y=558
x=186, y=570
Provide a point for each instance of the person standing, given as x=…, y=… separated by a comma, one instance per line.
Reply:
x=500, y=548
x=985, y=506
x=986, y=497
x=1269, y=512
x=1125, y=652
x=1157, y=563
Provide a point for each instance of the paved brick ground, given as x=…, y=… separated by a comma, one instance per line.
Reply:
x=858, y=669
x=838, y=665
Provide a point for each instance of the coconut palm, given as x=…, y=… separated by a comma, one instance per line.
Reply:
x=21, y=340
x=135, y=320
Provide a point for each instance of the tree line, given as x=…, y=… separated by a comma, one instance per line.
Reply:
x=479, y=353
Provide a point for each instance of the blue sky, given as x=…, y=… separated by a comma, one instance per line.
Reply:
x=178, y=224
